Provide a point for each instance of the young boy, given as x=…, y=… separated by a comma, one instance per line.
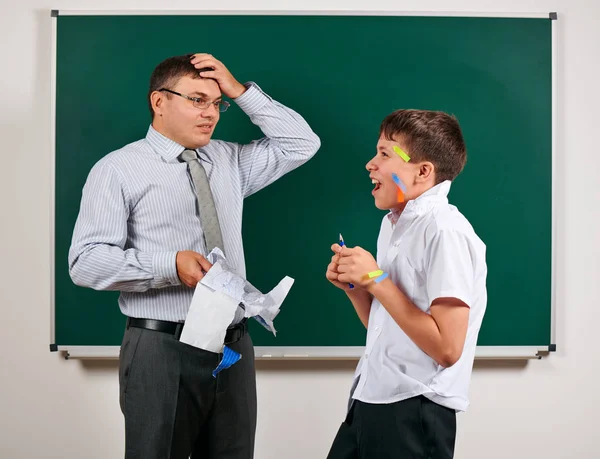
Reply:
x=422, y=301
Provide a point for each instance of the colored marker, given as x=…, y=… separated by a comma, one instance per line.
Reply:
x=342, y=244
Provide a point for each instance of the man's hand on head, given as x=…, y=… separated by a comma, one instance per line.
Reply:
x=191, y=267
x=226, y=81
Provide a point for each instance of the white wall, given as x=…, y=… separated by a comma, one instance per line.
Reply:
x=53, y=408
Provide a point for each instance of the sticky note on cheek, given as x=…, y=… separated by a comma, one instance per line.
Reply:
x=401, y=153
x=400, y=195
x=401, y=187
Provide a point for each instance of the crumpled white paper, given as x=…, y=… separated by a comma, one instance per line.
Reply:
x=263, y=307
x=210, y=313
x=216, y=299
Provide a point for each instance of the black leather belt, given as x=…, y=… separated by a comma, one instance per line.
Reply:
x=233, y=334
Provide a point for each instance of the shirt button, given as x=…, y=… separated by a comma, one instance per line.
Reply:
x=367, y=356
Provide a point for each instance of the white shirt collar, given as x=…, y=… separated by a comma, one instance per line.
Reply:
x=430, y=198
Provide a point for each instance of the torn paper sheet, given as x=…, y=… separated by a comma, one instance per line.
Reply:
x=206, y=324
x=210, y=313
x=263, y=307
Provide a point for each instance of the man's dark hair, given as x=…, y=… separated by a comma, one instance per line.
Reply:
x=167, y=74
x=428, y=136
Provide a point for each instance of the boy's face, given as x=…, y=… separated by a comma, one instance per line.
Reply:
x=382, y=166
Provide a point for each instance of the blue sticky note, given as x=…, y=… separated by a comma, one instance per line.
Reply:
x=399, y=182
x=229, y=358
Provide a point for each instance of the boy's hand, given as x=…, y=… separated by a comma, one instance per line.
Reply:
x=332, y=270
x=228, y=84
x=354, y=264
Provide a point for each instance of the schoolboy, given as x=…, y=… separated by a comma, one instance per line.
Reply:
x=422, y=301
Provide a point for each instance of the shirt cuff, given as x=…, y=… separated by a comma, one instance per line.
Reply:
x=253, y=99
x=462, y=296
x=165, y=267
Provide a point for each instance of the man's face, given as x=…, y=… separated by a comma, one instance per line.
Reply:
x=382, y=166
x=177, y=118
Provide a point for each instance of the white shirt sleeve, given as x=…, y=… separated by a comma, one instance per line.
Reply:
x=97, y=256
x=449, y=264
x=288, y=143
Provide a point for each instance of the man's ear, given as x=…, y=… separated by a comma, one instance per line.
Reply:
x=157, y=100
x=426, y=171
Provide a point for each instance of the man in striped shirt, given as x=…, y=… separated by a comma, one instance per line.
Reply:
x=140, y=231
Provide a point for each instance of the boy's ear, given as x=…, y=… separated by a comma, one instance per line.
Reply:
x=426, y=171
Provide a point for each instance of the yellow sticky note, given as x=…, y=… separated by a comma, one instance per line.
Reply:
x=373, y=274
x=401, y=153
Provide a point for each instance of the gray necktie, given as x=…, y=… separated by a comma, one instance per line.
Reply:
x=206, y=204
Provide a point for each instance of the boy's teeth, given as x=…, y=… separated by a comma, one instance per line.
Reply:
x=373, y=181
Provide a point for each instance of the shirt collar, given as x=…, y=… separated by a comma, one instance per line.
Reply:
x=434, y=196
x=168, y=149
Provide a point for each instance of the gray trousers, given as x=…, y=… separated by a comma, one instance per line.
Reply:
x=175, y=409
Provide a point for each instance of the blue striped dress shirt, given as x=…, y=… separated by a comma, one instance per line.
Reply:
x=138, y=207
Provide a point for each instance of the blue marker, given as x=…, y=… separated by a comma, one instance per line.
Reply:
x=342, y=245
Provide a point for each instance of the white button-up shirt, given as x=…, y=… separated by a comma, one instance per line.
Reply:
x=430, y=252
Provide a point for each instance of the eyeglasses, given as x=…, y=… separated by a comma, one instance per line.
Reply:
x=198, y=102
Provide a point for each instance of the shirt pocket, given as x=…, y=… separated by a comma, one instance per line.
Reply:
x=401, y=270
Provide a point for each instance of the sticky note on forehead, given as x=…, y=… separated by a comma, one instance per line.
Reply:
x=401, y=153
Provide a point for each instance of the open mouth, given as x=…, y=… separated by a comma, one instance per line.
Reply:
x=377, y=185
x=205, y=127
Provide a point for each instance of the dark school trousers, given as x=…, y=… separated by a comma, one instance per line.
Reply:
x=416, y=428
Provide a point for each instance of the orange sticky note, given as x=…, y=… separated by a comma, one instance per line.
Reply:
x=400, y=195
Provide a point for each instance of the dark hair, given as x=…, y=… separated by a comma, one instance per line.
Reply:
x=167, y=74
x=428, y=136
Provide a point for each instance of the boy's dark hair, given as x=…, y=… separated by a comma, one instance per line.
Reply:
x=428, y=136
x=167, y=74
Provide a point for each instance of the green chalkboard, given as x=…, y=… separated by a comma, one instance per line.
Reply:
x=343, y=74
